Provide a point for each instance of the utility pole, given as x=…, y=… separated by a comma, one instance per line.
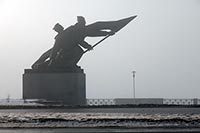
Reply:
x=8, y=98
x=133, y=72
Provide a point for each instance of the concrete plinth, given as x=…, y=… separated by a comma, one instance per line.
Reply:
x=65, y=87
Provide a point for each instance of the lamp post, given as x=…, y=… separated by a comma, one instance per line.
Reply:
x=133, y=72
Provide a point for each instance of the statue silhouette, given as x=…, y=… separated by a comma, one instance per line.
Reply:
x=67, y=49
x=69, y=43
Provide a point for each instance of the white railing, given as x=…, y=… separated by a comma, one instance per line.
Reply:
x=179, y=101
x=100, y=102
x=194, y=101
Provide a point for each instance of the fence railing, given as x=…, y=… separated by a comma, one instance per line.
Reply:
x=101, y=102
x=194, y=101
x=120, y=101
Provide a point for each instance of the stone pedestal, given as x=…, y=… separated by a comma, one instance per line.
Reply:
x=66, y=87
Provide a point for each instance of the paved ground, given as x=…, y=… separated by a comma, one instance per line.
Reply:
x=95, y=130
x=165, y=110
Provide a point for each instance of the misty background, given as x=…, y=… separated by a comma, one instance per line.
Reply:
x=162, y=45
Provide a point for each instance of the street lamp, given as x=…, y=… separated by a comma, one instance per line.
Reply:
x=133, y=72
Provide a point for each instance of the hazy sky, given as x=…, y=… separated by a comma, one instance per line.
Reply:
x=162, y=45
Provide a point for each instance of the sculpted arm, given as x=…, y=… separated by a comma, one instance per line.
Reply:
x=85, y=45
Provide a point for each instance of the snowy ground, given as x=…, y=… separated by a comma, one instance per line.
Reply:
x=123, y=120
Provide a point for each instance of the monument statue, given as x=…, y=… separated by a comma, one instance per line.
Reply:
x=69, y=43
x=55, y=76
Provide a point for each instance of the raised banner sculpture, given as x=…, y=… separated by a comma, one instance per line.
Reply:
x=56, y=75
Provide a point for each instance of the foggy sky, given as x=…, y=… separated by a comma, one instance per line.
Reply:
x=162, y=45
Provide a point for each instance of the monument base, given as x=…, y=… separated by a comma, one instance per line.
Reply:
x=60, y=86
